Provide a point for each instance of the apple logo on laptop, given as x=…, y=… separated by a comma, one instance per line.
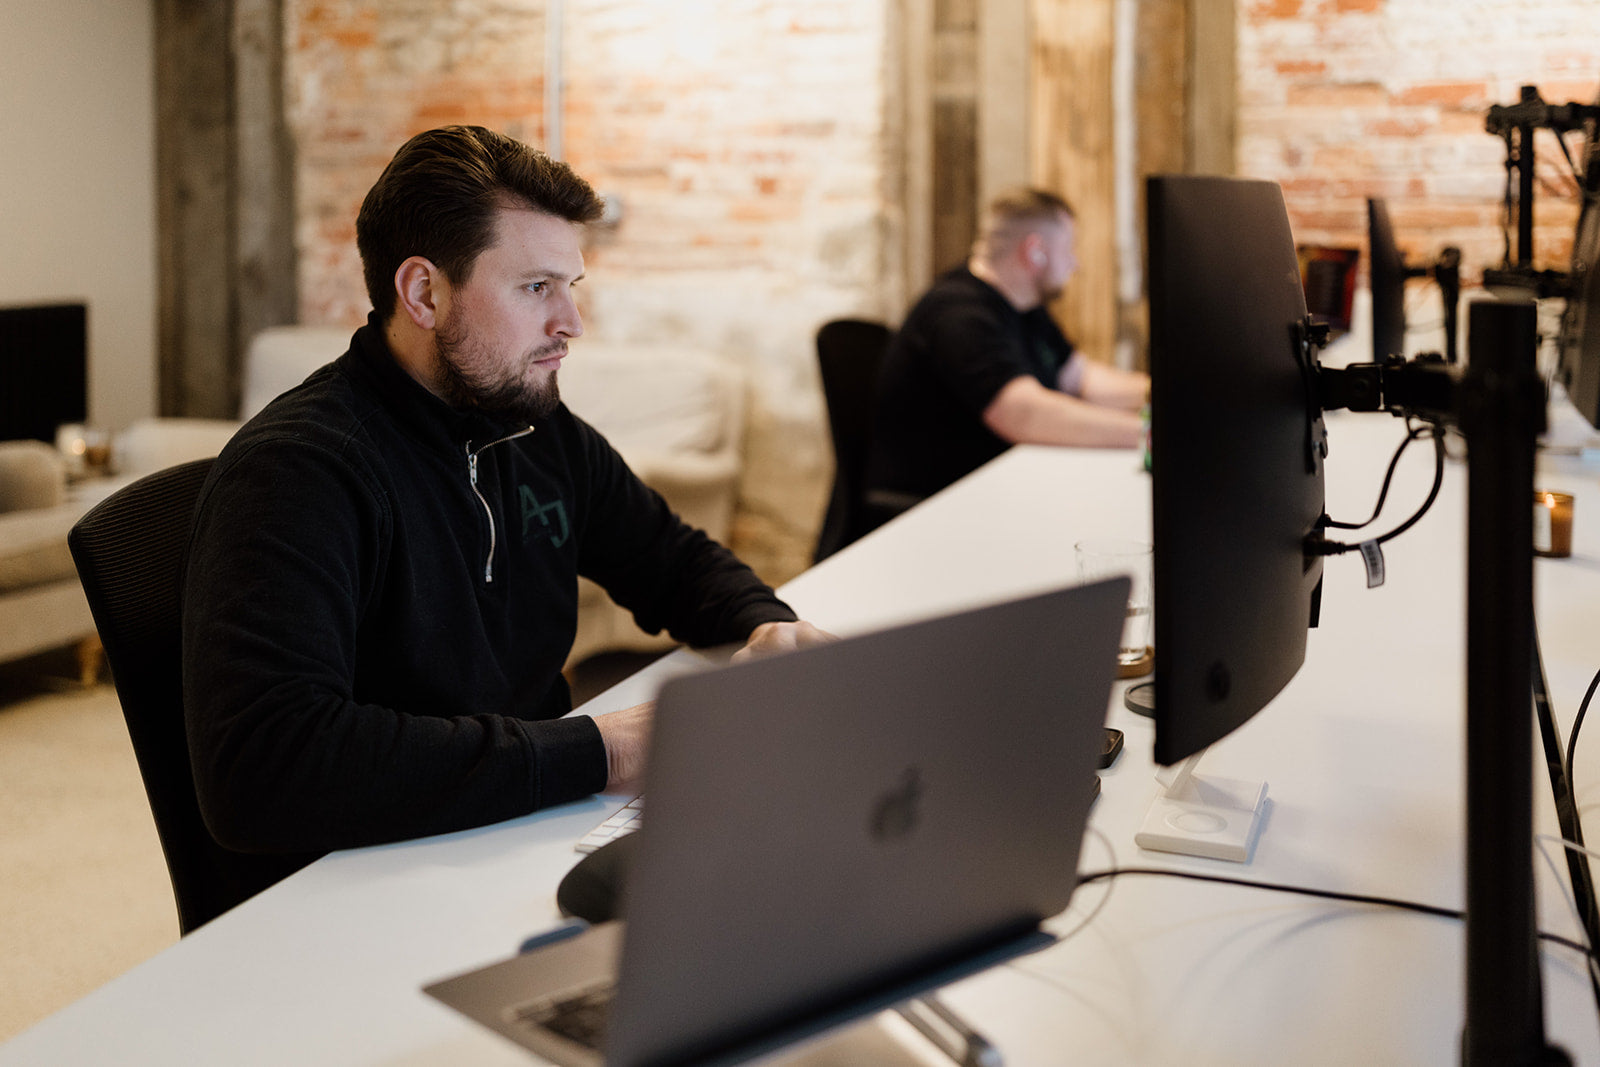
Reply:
x=895, y=814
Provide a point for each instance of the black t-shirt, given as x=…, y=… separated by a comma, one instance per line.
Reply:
x=959, y=346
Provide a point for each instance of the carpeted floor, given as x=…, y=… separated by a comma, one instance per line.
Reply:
x=84, y=888
x=84, y=894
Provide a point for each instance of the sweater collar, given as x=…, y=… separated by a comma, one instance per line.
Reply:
x=422, y=413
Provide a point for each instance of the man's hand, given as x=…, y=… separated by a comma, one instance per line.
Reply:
x=626, y=734
x=771, y=638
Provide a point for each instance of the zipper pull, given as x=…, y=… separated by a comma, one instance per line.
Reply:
x=472, y=479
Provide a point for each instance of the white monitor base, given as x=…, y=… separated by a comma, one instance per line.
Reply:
x=1214, y=818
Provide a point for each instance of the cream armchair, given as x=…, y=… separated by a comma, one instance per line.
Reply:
x=677, y=415
x=278, y=359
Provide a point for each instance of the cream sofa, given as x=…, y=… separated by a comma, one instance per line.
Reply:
x=41, y=603
x=676, y=414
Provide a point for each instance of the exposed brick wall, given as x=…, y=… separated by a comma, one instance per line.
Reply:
x=363, y=76
x=745, y=139
x=1345, y=99
x=750, y=145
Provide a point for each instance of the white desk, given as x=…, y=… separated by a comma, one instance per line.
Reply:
x=1363, y=754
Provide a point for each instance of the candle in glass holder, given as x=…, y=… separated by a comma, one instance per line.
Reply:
x=1552, y=524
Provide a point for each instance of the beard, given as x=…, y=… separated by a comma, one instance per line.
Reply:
x=467, y=384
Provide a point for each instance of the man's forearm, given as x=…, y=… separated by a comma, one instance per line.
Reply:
x=1025, y=412
x=1111, y=387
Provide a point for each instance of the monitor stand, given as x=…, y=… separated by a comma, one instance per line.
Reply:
x=1200, y=815
x=1196, y=814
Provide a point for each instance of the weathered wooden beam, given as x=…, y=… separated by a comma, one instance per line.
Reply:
x=1072, y=155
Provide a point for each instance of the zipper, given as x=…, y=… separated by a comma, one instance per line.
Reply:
x=472, y=478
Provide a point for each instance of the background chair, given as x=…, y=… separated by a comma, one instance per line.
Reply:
x=850, y=355
x=129, y=554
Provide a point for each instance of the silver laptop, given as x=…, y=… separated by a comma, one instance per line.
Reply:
x=832, y=832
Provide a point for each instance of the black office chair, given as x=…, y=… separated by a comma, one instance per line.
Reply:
x=850, y=355
x=129, y=553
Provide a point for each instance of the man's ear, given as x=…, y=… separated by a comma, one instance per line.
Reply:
x=1033, y=249
x=422, y=291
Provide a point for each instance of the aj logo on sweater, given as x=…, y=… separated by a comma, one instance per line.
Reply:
x=552, y=517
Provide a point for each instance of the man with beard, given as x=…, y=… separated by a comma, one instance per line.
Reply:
x=979, y=364
x=381, y=588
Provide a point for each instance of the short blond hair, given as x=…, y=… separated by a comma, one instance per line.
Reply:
x=1014, y=214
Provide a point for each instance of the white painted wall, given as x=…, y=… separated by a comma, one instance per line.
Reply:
x=77, y=182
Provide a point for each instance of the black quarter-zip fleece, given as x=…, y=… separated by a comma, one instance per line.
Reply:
x=380, y=593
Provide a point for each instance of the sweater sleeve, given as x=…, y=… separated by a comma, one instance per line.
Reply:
x=670, y=575
x=289, y=541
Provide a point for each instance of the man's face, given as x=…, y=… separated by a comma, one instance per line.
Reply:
x=1060, y=258
x=503, y=332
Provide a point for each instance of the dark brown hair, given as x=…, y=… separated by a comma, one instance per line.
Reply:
x=438, y=197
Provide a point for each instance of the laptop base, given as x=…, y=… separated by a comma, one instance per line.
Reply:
x=466, y=994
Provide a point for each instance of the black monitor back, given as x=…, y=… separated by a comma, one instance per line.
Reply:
x=1580, y=323
x=1387, y=282
x=1236, y=457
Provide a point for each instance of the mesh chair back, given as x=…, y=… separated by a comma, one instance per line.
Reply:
x=129, y=552
x=850, y=356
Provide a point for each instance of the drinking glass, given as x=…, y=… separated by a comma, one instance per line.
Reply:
x=1107, y=558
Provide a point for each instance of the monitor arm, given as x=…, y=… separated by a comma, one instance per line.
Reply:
x=1425, y=387
x=1447, y=274
x=1497, y=401
x=1515, y=124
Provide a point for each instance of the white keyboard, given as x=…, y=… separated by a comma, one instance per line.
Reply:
x=625, y=821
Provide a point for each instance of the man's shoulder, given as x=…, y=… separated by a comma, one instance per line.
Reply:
x=958, y=294
x=959, y=311
x=322, y=430
x=325, y=407
x=959, y=283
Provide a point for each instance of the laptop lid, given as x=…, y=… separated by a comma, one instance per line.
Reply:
x=834, y=831
x=828, y=824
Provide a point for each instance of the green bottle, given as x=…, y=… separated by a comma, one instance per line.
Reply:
x=1144, y=421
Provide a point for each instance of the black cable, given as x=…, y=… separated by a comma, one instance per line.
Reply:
x=1577, y=174
x=1326, y=894
x=1579, y=873
x=1412, y=434
x=1510, y=198
x=1433, y=493
x=1583, y=190
x=1572, y=739
x=1334, y=548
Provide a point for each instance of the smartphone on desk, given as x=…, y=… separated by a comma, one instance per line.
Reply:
x=1112, y=748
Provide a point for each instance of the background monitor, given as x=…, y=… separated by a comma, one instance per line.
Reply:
x=1387, y=279
x=1328, y=276
x=1236, y=457
x=1579, y=342
x=43, y=369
